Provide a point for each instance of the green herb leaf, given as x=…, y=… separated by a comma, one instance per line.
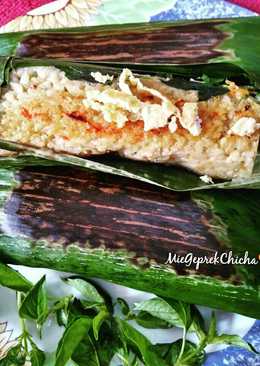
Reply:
x=140, y=343
x=212, y=333
x=34, y=304
x=123, y=306
x=37, y=356
x=233, y=340
x=184, y=310
x=15, y=357
x=170, y=311
x=61, y=308
x=162, y=349
x=91, y=297
x=77, y=310
x=192, y=355
x=198, y=324
x=86, y=353
x=62, y=317
x=109, y=342
x=146, y=320
x=98, y=321
x=71, y=338
x=128, y=358
x=13, y=279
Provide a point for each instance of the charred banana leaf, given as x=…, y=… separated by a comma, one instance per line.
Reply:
x=131, y=233
x=234, y=42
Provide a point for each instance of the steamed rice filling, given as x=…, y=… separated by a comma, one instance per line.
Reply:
x=143, y=120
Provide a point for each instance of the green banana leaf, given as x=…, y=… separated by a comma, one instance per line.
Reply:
x=173, y=46
x=114, y=228
x=170, y=177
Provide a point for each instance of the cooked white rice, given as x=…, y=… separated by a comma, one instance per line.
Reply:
x=150, y=121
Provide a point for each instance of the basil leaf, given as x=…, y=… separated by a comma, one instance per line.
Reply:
x=86, y=354
x=233, y=340
x=71, y=338
x=212, y=333
x=128, y=358
x=109, y=342
x=13, y=279
x=139, y=342
x=174, y=351
x=15, y=357
x=146, y=320
x=37, y=356
x=76, y=310
x=62, y=317
x=173, y=312
x=162, y=349
x=34, y=305
x=123, y=306
x=192, y=355
x=198, y=324
x=184, y=311
x=98, y=321
x=61, y=308
x=91, y=296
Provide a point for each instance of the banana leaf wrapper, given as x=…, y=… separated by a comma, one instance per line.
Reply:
x=188, y=47
x=95, y=224
x=170, y=177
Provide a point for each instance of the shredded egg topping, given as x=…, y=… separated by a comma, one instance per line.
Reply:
x=122, y=105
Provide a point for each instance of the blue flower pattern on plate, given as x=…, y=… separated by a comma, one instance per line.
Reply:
x=198, y=9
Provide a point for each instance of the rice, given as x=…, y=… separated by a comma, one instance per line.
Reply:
x=43, y=108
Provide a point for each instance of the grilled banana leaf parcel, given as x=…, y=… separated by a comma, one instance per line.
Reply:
x=77, y=109
x=161, y=45
x=198, y=247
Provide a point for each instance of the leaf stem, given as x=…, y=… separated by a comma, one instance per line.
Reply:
x=24, y=335
x=182, y=345
x=201, y=346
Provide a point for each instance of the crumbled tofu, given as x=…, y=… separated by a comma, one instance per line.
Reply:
x=154, y=115
x=125, y=76
x=127, y=79
x=157, y=115
x=113, y=104
x=100, y=78
x=112, y=114
x=121, y=100
x=206, y=179
x=245, y=126
x=173, y=125
x=190, y=119
x=236, y=91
